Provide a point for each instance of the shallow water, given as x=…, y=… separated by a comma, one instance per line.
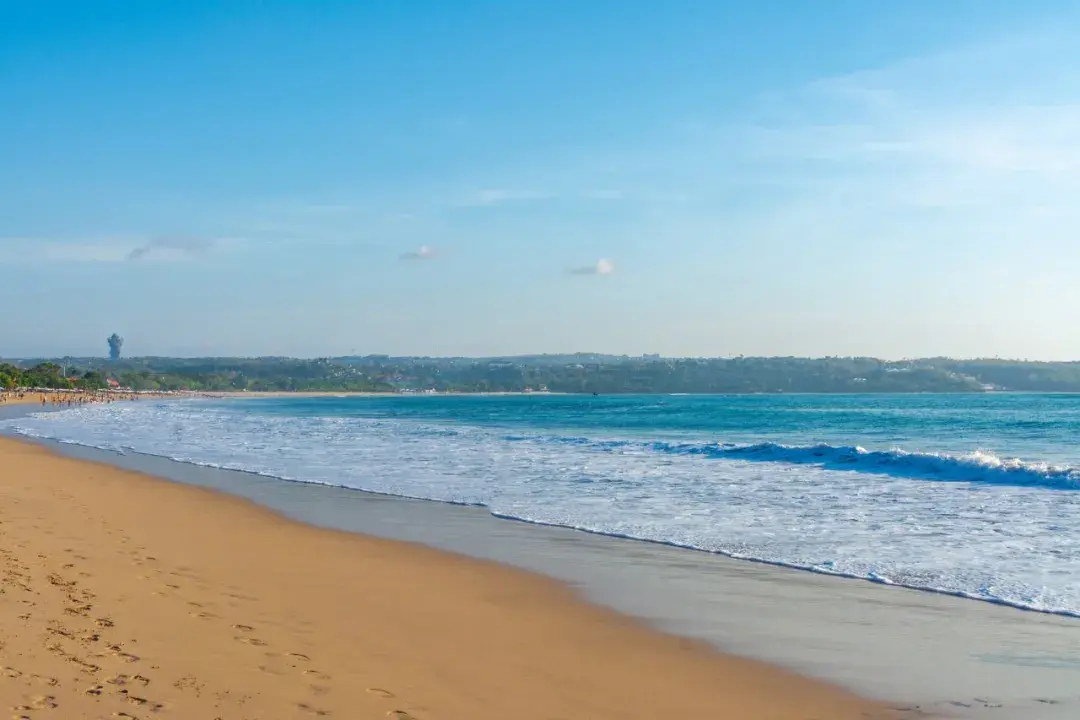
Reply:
x=972, y=495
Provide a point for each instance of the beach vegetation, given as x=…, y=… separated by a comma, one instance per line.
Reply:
x=585, y=373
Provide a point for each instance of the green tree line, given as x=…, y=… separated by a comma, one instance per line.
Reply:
x=50, y=375
x=574, y=374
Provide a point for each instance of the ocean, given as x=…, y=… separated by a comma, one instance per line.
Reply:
x=976, y=496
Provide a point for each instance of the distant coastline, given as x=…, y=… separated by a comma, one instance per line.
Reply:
x=588, y=374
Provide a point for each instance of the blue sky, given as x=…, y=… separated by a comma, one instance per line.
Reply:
x=689, y=178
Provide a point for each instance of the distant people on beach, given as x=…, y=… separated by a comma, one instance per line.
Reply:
x=66, y=398
x=11, y=396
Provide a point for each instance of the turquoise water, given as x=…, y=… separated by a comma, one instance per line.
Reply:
x=1037, y=426
x=973, y=495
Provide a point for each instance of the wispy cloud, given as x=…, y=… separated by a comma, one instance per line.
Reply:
x=601, y=267
x=491, y=197
x=424, y=252
x=172, y=245
x=108, y=250
x=974, y=146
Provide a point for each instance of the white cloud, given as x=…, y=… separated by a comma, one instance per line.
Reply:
x=601, y=267
x=424, y=252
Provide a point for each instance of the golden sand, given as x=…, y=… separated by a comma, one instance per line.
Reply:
x=13, y=399
x=128, y=596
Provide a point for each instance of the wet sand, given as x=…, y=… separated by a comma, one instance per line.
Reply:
x=15, y=400
x=123, y=593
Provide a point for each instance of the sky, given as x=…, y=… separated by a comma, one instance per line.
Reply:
x=691, y=178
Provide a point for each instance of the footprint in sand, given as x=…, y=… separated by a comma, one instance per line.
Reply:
x=381, y=693
x=94, y=690
x=312, y=710
x=104, y=622
x=10, y=672
x=128, y=679
x=136, y=700
x=243, y=628
x=87, y=667
x=118, y=651
x=400, y=715
x=250, y=641
x=240, y=596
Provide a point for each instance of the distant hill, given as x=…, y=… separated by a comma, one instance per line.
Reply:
x=573, y=373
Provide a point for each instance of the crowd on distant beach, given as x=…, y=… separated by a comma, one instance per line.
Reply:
x=64, y=398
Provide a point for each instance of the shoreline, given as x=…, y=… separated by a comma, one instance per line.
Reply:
x=53, y=397
x=946, y=656
x=456, y=636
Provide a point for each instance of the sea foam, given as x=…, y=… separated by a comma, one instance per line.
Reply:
x=970, y=524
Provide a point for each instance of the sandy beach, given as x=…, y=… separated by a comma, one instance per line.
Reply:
x=128, y=596
x=27, y=398
x=65, y=397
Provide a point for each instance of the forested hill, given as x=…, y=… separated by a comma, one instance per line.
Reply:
x=584, y=373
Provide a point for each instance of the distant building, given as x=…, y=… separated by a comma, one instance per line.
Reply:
x=113, y=383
